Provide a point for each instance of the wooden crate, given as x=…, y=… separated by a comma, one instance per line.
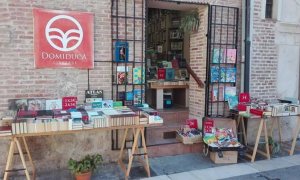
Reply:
x=228, y=157
x=189, y=140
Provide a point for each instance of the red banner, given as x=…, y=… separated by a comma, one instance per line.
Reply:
x=63, y=39
x=208, y=125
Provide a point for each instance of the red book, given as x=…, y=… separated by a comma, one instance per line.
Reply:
x=161, y=73
x=244, y=98
x=69, y=103
x=175, y=64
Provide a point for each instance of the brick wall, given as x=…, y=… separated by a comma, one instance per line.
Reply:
x=263, y=70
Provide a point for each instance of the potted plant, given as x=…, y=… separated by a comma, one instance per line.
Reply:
x=190, y=22
x=274, y=147
x=83, y=168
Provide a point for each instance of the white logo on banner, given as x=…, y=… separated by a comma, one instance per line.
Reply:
x=64, y=38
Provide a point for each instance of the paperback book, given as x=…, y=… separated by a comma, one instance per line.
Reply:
x=230, y=55
x=170, y=74
x=52, y=104
x=138, y=96
x=36, y=104
x=214, y=74
x=229, y=92
x=138, y=76
x=122, y=73
x=217, y=56
x=218, y=93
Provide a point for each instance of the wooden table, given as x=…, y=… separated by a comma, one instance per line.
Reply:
x=159, y=88
x=138, y=131
x=262, y=127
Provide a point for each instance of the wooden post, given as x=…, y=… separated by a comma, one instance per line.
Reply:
x=29, y=157
x=296, y=132
x=257, y=139
x=22, y=158
x=9, y=158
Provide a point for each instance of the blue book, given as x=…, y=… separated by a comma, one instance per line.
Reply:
x=214, y=74
x=170, y=74
x=138, y=96
x=129, y=96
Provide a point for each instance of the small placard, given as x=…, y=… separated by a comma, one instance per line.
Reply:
x=69, y=103
x=93, y=93
x=208, y=125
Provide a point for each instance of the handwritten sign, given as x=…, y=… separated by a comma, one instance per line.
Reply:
x=69, y=103
x=208, y=125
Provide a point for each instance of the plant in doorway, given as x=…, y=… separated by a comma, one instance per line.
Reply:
x=83, y=168
x=274, y=146
x=190, y=22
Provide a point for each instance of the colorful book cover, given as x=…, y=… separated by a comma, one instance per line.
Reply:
x=122, y=74
x=52, y=104
x=138, y=97
x=138, y=76
x=117, y=104
x=170, y=74
x=161, y=73
x=229, y=92
x=183, y=74
x=90, y=100
x=217, y=56
x=230, y=56
x=218, y=93
x=107, y=104
x=129, y=96
x=69, y=102
x=121, y=96
x=97, y=105
x=36, y=104
x=230, y=74
x=232, y=102
x=152, y=72
x=223, y=72
x=214, y=74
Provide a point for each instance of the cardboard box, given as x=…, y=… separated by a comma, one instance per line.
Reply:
x=228, y=157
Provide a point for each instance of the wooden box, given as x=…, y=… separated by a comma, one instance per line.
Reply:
x=189, y=140
x=228, y=157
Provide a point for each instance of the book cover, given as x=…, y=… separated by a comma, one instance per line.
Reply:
x=69, y=102
x=223, y=72
x=230, y=74
x=161, y=73
x=175, y=64
x=18, y=104
x=117, y=104
x=214, y=74
x=122, y=73
x=97, y=105
x=121, y=51
x=138, y=97
x=232, y=102
x=107, y=104
x=121, y=96
x=167, y=64
x=36, y=104
x=182, y=63
x=229, y=92
x=129, y=96
x=230, y=55
x=217, y=56
x=183, y=74
x=52, y=104
x=218, y=93
x=152, y=72
x=90, y=100
x=170, y=74
x=138, y=76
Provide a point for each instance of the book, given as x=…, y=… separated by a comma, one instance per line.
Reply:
x=227, y=74
x=97, y=105
x=183, y=74
x=36, y=104
x=121, y=96
x=91, y=100
x=232, y=102
x=129, y=96
x=217, y=56
x=230, y=56
x=217, y=93
x=152, y=72
x=138, y=97
x=18, y=104
x=229, y=92
x=170, y=74
x=118, y=103
x=175, y=64
x=214, y=74
x=161, y=73
x=107, y=104
x=182, y=63
x=52, y=104
x=167, y=64
x=122, y=74
x=138, y=76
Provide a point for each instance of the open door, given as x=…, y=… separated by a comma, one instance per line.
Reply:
x=222, y=50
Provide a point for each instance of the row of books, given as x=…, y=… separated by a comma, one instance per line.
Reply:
x=221, y=93
x=223, y=74
x=220, y=55
x=123, y=75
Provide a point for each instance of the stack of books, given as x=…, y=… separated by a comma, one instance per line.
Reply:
x=5, y=130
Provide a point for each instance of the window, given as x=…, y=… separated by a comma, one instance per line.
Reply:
x=269, y=8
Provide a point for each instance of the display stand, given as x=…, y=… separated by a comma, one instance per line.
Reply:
x=262, y=127
x=138, y=133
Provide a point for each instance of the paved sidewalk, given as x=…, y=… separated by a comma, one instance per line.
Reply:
x=249, y=171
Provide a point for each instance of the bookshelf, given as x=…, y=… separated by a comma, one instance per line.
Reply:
x=222, y=60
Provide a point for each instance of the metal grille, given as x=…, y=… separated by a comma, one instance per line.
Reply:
x=222, y=36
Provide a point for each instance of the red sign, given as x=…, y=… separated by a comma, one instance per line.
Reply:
x=63, y=39
x=208, y=125
x=69, y=103
x=244, y=97
x=192, y=123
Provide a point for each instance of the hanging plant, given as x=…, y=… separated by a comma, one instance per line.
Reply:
x=190, y=22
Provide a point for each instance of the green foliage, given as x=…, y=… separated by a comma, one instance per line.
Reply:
x=190, y=22
x=275, y=145
x=88, y=163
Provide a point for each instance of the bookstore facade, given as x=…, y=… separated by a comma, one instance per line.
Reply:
x=118, y=52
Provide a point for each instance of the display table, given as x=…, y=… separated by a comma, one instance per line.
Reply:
x=262, y=127
x=159, y=88
x=138, y=131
